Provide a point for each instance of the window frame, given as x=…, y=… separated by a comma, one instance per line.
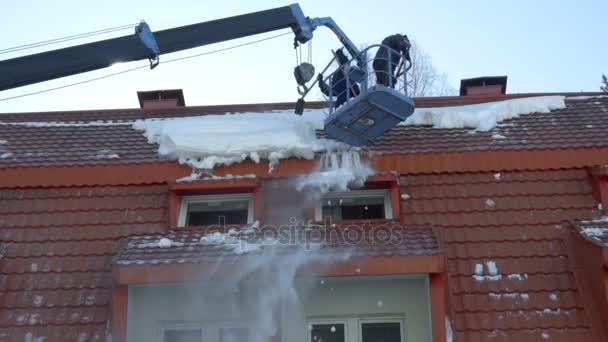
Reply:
x=185, y=201
x=326, y=321
x=386, y=193
x=364, y=320
x=210, y=331
x=353, y=325
x=183, y=326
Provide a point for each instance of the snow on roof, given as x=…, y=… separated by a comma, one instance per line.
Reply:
x=209, y=140
x=205, y=141
x=584, y=97
x=483, y=116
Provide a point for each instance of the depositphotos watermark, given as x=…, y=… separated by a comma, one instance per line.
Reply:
x=308, y=235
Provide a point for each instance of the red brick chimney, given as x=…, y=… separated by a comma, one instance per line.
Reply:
x=486, y=85
x=156, y=99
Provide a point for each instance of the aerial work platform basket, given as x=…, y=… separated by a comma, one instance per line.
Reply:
x=374, y=100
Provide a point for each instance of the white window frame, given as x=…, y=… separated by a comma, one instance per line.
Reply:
x=210, y=331
x=401, y=322
x=183, y=326
x=353, y=326
x=187, y=200
x=328, y=321
x=386, y=193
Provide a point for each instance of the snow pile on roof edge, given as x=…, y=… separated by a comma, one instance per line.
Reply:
x=483, y=116
x=206, y=141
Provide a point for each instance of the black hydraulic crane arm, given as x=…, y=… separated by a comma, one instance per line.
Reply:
x=68, y=61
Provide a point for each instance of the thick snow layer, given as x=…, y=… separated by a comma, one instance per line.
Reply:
x=483, y=116
x=586, y=97
x=205, y=141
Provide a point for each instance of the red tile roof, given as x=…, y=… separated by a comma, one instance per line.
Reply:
x=58, y=249
x=106, y=137
x=58, y=243
x=534, y=291
x=408, y=241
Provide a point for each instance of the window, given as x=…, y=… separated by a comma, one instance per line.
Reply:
x=205, y=332
x=234, y=335
x=183, y=335
x=216, y=209
x=355, y=205
x=381, y=330
x=327, y=332
x=356, y=329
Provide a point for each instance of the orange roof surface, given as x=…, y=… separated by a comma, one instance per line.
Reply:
x=501, y=227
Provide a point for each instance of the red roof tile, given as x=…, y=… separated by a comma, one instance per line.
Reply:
x=533, y=290
x=411, y=241
x=113, y=141
x=59, y=245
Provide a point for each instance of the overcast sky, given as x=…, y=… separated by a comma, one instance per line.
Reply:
x=543, y=46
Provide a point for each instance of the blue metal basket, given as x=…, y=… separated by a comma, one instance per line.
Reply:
x=369, y=115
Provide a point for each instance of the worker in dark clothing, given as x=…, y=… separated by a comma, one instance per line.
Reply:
x=401, y=45
x=338, y=82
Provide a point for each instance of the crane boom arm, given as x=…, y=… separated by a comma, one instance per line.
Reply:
x=73, y=60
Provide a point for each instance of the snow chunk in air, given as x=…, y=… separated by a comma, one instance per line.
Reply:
x=483, y=116
x=209, y=140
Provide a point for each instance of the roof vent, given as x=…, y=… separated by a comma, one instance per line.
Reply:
x=487, y=85
x=156, y=99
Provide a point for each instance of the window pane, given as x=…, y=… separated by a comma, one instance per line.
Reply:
x=217, y=212
x=203, y=218
x=233, y=335
x=190, y=335
x=381, y=332
x=353, y=208
x=327, y=333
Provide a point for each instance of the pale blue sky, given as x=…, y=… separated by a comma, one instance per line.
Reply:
x=542, y=45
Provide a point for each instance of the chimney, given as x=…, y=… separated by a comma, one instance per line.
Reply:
x=487, y=85
x=157, y=99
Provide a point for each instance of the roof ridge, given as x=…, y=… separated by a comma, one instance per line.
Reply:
x=314, y=104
